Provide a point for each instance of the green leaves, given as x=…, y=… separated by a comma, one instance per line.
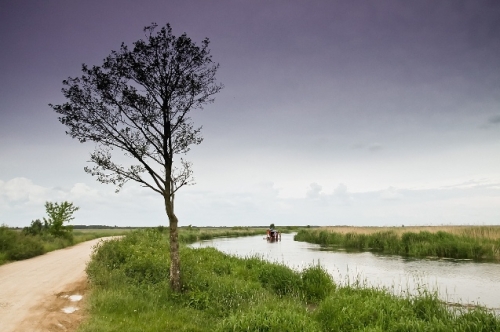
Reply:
x=58, y=214
x=138, y=102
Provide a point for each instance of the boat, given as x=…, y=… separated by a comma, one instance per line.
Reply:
x=273, y=235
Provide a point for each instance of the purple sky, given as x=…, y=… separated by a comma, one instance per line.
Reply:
x=333, y=112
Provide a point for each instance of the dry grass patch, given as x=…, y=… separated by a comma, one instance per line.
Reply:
x=477, y=232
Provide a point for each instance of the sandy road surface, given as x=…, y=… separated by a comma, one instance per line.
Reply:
x=33, y=292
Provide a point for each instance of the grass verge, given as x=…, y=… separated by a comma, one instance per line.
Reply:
x=15, y=245
x=129, y=291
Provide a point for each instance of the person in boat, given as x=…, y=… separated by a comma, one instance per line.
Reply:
x=273, y=234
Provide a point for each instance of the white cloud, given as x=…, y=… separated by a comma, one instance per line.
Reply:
x=341, y=194
x=21, y=191
x=467, y=202
x=390, y=194
x=314, y=191
x=81, y=190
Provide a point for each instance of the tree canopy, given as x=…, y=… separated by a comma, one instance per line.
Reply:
x=138, y=102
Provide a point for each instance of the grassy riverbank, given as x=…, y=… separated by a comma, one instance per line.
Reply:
x=461, y=242
x=129, y=292
x=15, y=245
x=193, y=234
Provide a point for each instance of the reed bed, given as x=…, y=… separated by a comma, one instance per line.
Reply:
x=480, y=232
x=460, y=242
x=129, y=291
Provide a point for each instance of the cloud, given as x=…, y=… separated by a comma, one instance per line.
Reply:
x=495, y=120
x=468, y=202
x=22, y=191
x=22, y=200
x=267, y=189
x=358, y=146
x=341, y=194
x=314, y=191
x=375, y=147
x=81, y=190
x=370, y=147
x=390, y=194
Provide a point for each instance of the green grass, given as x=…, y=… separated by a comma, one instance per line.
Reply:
x=15, y=245
x=193, y=234
x=129, y=291
x=414, y=244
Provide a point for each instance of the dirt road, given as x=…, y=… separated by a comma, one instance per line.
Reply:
x=35, y=293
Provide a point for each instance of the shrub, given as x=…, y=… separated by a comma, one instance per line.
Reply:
x=280, y=279
x=25, y=247
x=142, y=257
x=36, y=228
x=317, y=283
x=8, y=238
x=3, y=257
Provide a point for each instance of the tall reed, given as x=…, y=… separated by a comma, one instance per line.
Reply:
x=467, y=243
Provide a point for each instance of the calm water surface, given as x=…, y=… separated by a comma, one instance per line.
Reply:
x=456, y=281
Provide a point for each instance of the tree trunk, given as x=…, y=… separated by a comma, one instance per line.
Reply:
x=175, y=263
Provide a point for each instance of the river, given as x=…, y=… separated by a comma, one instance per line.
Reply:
x=456, y=281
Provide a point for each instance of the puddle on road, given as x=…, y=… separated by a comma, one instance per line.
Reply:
x=72, y=298
x=69, y=310
x=75, y=298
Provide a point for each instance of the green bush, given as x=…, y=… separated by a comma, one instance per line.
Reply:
x=141, y=256
x=8, y=238
x=36, y=228
x=25, y=247
x=16, y=246
x=3, y=258
x=280, y=279
x=317, y=283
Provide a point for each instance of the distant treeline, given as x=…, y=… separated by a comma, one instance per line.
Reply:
x=189, y=226
x=104, y=227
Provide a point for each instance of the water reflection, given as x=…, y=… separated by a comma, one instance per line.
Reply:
x=456, y=281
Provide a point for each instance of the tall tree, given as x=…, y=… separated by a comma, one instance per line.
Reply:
x=138, y=102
